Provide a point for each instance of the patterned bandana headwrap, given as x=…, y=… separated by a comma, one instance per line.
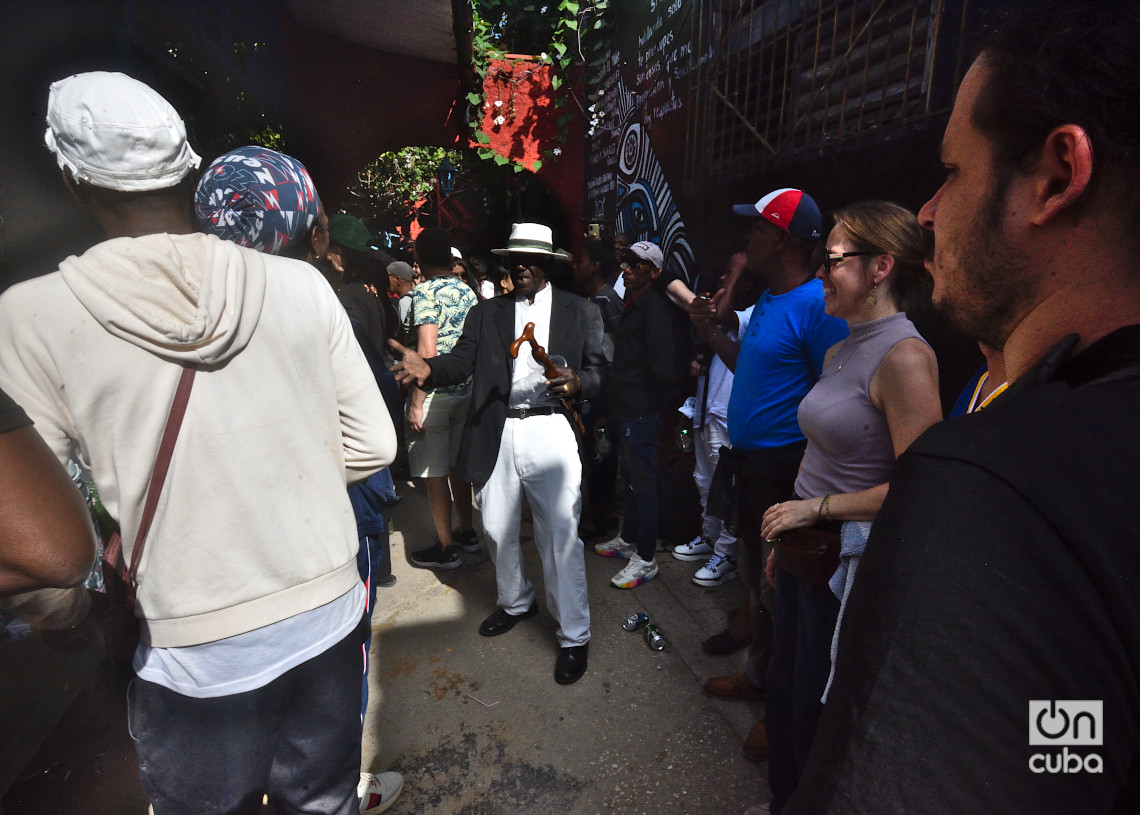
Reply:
x=259, y=198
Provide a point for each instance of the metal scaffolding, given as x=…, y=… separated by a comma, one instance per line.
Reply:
x=779, y=78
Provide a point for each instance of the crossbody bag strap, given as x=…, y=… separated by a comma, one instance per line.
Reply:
x=161, y=465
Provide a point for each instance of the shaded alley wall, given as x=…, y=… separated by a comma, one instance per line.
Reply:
x=708, y=103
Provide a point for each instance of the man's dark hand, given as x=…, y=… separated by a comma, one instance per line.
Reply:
x=702, y=307
x=566, y=384
x=701, y=313
x=411, y=367
x=736, y=266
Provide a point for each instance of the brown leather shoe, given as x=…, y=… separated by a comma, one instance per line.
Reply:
x=734, y=686
x=722, y=644
x=756, y=745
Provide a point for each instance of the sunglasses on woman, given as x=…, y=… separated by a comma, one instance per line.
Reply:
x=832, y=258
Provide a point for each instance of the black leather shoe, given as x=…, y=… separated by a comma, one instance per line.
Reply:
x=500, y=622
x=571, y=664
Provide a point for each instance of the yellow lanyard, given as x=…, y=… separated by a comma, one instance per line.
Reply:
x=974, y=406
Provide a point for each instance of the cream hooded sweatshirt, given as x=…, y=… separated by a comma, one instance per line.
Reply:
x=254, y=523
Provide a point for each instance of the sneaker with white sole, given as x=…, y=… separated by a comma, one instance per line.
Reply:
x=615, y=548
x=436, y=557
x=378, y=792
x=636, y=572
x=467, y=541
x=697, y=549
x=718, y=570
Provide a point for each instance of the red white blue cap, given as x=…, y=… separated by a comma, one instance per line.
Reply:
x=792, y=210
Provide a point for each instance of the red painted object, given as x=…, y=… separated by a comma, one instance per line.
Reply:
x=521, y=119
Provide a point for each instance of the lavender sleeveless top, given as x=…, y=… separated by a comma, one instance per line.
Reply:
x=849, y=444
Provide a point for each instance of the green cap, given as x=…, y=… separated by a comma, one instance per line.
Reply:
x=345, y=230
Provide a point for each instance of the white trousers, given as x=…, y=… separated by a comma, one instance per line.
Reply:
x=712, y=434
x=538, y=458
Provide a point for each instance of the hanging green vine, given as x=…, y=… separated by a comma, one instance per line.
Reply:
x=395, y=181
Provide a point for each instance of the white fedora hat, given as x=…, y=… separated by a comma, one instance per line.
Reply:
x=529, y=239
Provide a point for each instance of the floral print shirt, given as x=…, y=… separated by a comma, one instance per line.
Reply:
x=444, y=302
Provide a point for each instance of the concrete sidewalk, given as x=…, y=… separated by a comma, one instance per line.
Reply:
x=477, y=725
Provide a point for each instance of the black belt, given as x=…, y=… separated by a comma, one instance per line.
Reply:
x=541, y=410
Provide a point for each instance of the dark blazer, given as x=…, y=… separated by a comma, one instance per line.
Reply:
x=483, y=350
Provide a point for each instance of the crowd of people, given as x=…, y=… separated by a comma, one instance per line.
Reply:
x=914, y=585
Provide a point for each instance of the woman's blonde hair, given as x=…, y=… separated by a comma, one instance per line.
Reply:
x=887, y=228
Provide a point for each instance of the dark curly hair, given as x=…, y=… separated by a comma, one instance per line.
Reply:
x=1054, y=63
x=433, y=249
x=597, y=252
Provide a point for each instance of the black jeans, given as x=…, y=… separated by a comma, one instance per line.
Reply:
x=297, y=738
x=797, y=674
x=763, y=477
x=638, y=451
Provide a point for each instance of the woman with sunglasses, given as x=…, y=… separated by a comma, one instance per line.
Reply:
x=877, y=393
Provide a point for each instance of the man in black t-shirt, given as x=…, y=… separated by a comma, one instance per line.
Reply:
x=989, y=659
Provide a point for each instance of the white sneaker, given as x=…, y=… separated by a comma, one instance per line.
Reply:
x=718, y=570
x=636, y=572
x=615, y=548
x=378, y=792
x=697, y=549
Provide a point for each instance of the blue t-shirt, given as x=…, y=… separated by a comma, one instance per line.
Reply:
x=962, y=403
x=781, y=357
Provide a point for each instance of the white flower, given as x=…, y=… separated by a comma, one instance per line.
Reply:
x=543, y=57
x=557, y=151
x=498, y=103
x=499, y=119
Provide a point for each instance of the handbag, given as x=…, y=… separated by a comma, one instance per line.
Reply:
x=811, y=553
x=120, y=624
